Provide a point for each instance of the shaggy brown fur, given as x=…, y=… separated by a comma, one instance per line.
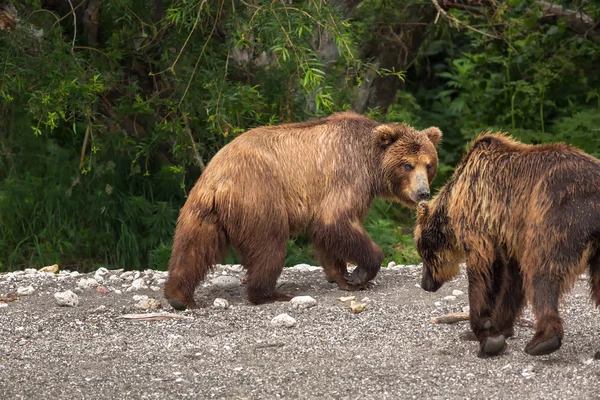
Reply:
x=526, y=218
x=273, y=182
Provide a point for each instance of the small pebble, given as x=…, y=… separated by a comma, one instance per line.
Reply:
x=303, y=302
x=449, y=298
x=225, y=281
x=148, y=304
x=437, y=304
x=136, y=285
x=220, y=304
x=84, y=283
x=78, y=290
x=357, y=307
x=30, y=271
x=66, y=299
x=457, y=293
x=102, y=290
x=25, y=290
x=139, y=297
x=283, y=321
x=391, y=264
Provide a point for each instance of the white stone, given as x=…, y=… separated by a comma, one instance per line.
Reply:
x=283, y=321
x=87, y=283
x=128, y=275
x=66, y=299
x=391, y=264
x=113, y=278
x=102, y=271
x=139, y=297
x=236, y=268
x=457, y=293
x=136, y=285
x=221, y=304
x=3, y=305
x=305, y=267
x=225, y=281
x=25, y=290
x=437, y=304
x=148, y=304
x=160, y=281
x=450, y=298
x=154, y=288
x=303, y=302
x=30, y=271
x=75, y=274
x=466, y=309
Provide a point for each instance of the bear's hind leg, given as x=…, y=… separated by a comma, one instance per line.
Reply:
x=510, y=299
x=199, y=243
x=546, y=288
x=264, y=266
x=595, y=274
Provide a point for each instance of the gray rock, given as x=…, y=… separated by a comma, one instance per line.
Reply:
x=225, y=281
x=305, y=267
x=136, y=285
x=303, y=302
x=283, y=321
x=25, y=290
x=86, y=283
x=66, y=299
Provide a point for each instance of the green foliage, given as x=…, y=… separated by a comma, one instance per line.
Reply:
x=101, y=142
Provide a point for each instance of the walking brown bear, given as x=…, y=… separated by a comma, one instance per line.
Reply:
x=526, y=218
x=273, y=182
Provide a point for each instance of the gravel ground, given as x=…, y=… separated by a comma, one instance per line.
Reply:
x=389, y=350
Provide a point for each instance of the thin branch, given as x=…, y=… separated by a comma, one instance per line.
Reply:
x=186, y=40
x=74, y=23
x=201, y=51
x=69, y=13
x=449, y=17
x=196, y=154
x=88, y=130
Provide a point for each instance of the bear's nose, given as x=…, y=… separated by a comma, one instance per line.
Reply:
x=423, y=194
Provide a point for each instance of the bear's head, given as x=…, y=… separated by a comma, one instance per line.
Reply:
x=437, y=246
x=409, y=161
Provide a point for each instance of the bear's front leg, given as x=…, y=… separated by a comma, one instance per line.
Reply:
x=480, y=277
x=347, y=241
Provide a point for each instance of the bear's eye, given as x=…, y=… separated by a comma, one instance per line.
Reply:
x=429, y=166
x=408, y=167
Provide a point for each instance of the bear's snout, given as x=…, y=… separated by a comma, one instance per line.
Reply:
x=428, y=283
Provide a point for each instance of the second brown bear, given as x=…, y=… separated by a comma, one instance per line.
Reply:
x=526, y=218
x=273, y=182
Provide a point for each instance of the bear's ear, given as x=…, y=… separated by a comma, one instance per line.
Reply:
x=434, y=134
x=387, y=134
x=422, y=210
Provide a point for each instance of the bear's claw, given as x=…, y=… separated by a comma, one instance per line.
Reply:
x=536, y=348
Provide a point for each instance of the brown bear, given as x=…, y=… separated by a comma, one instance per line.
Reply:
x=317, y=177
x=526, y=219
